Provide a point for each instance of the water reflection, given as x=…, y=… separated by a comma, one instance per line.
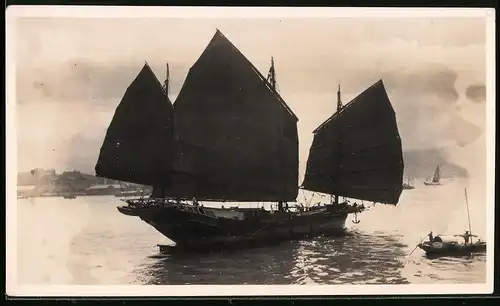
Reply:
x=457, y=269
x=356, y=258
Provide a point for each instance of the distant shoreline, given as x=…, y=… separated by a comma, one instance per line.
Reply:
x=81, y=195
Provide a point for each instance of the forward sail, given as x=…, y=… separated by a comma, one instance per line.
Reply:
x=236, y=139
x=138, y=143
x=357, y=152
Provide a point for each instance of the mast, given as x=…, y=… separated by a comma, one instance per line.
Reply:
x=271, y=76
x=339, y=141
x=166, y=90
x=166, y=83
x=468, y=213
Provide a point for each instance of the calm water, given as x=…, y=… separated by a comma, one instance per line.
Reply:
x=87, y=241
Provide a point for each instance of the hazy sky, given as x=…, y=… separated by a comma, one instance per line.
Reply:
x=71, y=74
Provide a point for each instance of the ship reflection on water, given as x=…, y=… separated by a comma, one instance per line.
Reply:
x=353, y=259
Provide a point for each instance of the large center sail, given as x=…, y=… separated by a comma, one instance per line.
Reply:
x=357, y=152
x=138, y=143
x=236, y=139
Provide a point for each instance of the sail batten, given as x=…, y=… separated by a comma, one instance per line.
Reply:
x=138, y=144
x=357, y=152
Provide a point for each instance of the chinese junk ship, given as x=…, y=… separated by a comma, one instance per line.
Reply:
x=435, y=178
x=230, y=137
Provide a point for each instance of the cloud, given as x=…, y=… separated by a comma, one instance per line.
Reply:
x=87, y=159
x=424, y=99
x=462, y=131
x=476, y=93
x=80, y=81
x=431, y=80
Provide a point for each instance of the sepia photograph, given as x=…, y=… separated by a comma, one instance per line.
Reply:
x=249, y=151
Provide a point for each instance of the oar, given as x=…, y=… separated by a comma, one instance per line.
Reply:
x=416, y=246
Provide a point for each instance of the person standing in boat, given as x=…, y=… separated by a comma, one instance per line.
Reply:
x=466, y=237
x=431, y=237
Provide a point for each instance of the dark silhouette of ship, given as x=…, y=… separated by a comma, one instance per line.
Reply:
x=230, y=137
x=435, y=178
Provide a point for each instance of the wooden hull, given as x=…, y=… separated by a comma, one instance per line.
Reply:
x=432, y=183
x=452, y=249
x=203, y=228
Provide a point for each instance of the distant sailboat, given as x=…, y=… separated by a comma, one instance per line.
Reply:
x=408, y=185
x=435, y=179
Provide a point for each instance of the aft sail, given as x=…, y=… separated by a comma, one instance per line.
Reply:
x=236, y=139
x=437, y=175
x=357, y=152
x=138, y=143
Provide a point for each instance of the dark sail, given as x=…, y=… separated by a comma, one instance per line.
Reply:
x=437, y=175
x=357, y=152
x=138, y=143
x=236, y=139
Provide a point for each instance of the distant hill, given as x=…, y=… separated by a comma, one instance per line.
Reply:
x=421, y=164
x=34, y=176
x=42, y=176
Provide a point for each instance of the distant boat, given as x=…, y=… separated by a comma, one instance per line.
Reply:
x=438, y=247
x=435, y=179
x=452, y=248
x=70, y=196
x=408, y=186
